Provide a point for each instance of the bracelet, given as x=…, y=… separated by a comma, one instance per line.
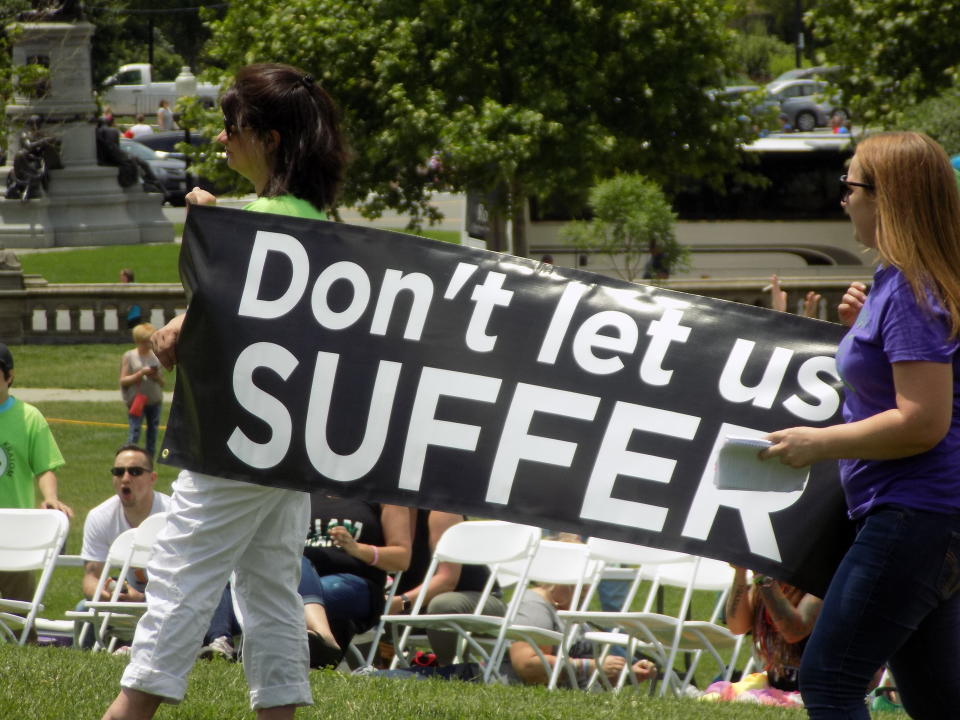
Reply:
x=763, y=581
x=376, y=555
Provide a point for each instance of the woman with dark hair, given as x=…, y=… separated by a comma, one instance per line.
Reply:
x=894, y=598
x=281, y=132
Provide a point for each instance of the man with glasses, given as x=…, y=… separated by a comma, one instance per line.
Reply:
x=134, y=500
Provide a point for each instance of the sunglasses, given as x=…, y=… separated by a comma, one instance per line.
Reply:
x=849, y=185
x=118, y=472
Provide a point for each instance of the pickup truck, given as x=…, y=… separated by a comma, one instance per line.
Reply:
x=132, y=90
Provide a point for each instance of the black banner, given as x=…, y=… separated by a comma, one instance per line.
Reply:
x=421, y=373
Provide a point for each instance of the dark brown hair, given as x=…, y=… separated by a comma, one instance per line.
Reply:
x=311, y=155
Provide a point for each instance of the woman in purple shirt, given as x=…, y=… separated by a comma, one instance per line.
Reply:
x=894, y=597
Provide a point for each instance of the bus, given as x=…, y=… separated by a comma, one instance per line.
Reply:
x=787, y=221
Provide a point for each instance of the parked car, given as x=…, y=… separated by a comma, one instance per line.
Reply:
x=806, y=103
x=166, y=175
x=165, y=145
x=819, y=72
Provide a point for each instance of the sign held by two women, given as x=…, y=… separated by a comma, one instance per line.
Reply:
x=422, y=373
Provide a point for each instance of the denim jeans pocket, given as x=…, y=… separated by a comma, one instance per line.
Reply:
x=949, y=580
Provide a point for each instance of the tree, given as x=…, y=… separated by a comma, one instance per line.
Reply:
x=529, y=98
x=632, y=220
x=895, y=54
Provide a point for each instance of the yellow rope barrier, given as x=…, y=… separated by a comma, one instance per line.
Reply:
x=94, y=423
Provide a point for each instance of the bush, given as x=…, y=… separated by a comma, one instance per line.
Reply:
x=632, y=220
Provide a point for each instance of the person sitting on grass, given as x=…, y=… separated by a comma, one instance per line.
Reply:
x=780, y=617
x=538, y=608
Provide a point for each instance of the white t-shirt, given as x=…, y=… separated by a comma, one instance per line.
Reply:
x=140, y=129
x=106, y=521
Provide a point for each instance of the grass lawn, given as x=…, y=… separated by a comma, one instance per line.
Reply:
x=78, y=367
x=150, y=263
x=56, y=684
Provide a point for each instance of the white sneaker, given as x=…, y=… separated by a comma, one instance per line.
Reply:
x=218, y=647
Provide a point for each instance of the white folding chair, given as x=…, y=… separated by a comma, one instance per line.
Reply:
x=703, y=636
x=29, y=540
x=129, y=551
x=554, y=563
x=627, y=632
x=664, y=636
x=478, y=542
x=373, y=635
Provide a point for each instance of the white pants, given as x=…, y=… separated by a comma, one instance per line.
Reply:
x=216, y=526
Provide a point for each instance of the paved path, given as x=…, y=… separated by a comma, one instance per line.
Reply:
x=33, y=395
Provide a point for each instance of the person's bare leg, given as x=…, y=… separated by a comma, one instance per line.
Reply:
x=283, y=712
x=316, y=615
x=134, y=705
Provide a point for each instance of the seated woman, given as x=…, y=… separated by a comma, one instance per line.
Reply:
x=538, y=608
x=350, y=547
x=454, y=588
x=781, y=618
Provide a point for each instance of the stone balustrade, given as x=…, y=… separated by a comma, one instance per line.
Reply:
x=38, y=312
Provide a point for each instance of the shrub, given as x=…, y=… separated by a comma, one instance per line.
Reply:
x=632, y=221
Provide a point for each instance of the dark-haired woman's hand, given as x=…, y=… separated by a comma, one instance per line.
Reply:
x=199, y=196
x=165, y=341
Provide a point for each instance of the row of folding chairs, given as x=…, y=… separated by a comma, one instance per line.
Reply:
x=516, y=555
x=31, y=540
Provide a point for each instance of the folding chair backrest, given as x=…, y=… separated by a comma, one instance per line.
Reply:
x=555, y=562
x=706, y=574
x=647, y=562
x=146, y=537
x=29, y=537
x=31, y=540
x=478, y=542
x=614, y=551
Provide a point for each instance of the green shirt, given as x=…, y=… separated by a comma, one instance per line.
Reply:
x=27, y=449
x=286, y=205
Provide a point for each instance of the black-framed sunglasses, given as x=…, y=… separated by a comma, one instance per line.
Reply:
x=849, y=185
x=134, y=471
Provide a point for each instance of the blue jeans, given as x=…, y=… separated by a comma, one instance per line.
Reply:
x=343, y=596
x=151, y=413
x=224, y=621
x=893, y=600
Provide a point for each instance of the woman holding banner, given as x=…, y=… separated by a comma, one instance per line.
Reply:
x=894, y=596
x=281, y=132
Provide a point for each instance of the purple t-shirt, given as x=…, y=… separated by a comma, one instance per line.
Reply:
x=893, y=327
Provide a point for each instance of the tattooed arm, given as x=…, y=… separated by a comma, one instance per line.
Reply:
x=739, y=609
x=793, y=623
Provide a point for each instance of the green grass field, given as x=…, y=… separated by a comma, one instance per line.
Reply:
x=55, y=684
x=151, y=263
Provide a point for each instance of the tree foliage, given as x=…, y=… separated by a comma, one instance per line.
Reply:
x=939, y=117
x=895, y=53
x=632, y=220
x=528, y=97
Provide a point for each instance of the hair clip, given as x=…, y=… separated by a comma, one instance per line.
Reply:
x=307, y=81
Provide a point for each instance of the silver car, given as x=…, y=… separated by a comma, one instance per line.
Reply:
x=806, y=103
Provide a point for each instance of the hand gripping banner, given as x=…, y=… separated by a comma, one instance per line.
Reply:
x=408, y=371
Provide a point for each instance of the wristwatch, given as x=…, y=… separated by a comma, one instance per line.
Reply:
x=405, y=604
x=763, y=581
